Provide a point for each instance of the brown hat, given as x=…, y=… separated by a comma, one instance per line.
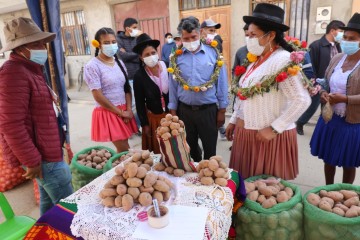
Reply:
x=21, y=31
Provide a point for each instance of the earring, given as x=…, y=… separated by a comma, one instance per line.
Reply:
x=271, y=49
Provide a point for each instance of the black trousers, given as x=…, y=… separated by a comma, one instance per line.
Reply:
x=200, y=122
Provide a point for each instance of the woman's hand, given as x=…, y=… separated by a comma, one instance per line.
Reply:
x=229, y=132
x=266, y=134
x=335, y=98
x=324, y=97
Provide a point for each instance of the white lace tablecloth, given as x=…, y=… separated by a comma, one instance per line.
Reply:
x=94, y=221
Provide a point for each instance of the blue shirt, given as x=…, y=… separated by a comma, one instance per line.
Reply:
x=166, y=51
x=307, y=66
x=197, y=68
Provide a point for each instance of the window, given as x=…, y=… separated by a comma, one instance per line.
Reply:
x=74, y=33
x=195, y=4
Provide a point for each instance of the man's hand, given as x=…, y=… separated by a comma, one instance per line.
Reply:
x=173, y=112
x=335, y=98
x=32, y=173
x=324, y=97
x=122, y=50
x=265, y=135
x=229, y=132
x=220, y=119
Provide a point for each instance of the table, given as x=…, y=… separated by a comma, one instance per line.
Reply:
x=62, y=221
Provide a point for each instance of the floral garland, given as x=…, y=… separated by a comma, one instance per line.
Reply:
x=272, y=81
x=175, y=71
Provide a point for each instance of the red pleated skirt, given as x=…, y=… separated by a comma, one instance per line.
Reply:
x=108, y=127
x=251, y=157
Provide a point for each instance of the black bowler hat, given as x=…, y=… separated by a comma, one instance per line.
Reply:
x=354, y=23
x=268, y=15
x=144, y=40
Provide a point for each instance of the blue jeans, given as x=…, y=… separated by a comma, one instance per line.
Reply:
x=55, y=185
x=133, y=106
x=315, y=102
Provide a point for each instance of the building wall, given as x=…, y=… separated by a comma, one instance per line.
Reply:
x=355, y=7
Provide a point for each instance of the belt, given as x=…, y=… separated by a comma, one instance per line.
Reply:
x=197, y=107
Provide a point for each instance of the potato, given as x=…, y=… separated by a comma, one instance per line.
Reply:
x=282, y=197
x=253, y=196
x=338, y=211
x=166, y=124
x=97, y=159
x=207, y=180
x=266, y=191
x=282, y=187
x=88, y=158
x=145, y=154
x=208, y=172
x=249, y=186
x=174, y=126
x=323, y=193
x=108, y=192
x=141, y=172
x=100, y=154
x=158, y=196
x=161, y=186
x=221, y=182
x=179, y=172
x=163, y=130
x=125, y=174
x=329, y=200
x=261, y=199
x=136, y=157
x=175, y=119
x=109, y=185
x=351, y=201
x=169, y=170
x=181, y=123
x=108, y=201
x=352, y=212
x=217, y=158
x=166, y=136
x=220, y=172
x=160, y=166
x=107, y=155
x=313, y=199
x=149, y=161
x=144, y=189
x=201, y=173
x=150, y=179
x=348, y=194
x=336, y=196
x=116, y=180
x=127, y=202
x=134, y=182
x=94, y=164
x=269, y=203
x=119, y=170
x=274, y=190
x=259, y=184
x=168, y=182
x=168, y=117
x=325, y=205
x=181, y=130
x=146, y=166
x=134, y=192
x=121, y=189
x=82, y=156
x=223, y=165
x=342, y=206
x=145, y=199
x=204, y=163
x=163, y=120
x=118, y=201
x=289, y=191
x=132, y=169
x=89, y=165
x=213, y=164
x=99, y=167
x=174, y=132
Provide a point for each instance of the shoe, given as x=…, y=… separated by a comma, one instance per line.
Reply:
x=222, y=136
x=300, y=129
x=230, y=148
x=139, y=133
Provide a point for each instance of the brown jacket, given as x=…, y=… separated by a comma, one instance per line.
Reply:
x=352, y=89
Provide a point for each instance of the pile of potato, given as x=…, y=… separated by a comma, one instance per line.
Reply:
x=344, y=203
x=170, y=126
x=141, y=158
x=212, y=171
x=177, y=172
x=133, y=184
x=96, y=158
x=268, y=192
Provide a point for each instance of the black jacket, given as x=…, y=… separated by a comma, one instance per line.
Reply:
x=147, y=96
x=320, y=55
x=220, y=41
x=130, y=59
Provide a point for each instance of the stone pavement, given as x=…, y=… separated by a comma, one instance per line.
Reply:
x=80, y=108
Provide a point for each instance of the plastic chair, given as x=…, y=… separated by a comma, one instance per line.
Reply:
x=14, y=227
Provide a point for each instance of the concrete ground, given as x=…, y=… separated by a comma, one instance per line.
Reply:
x=80, y=108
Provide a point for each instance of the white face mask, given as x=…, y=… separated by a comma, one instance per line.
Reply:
x=170, y=40
x=191, y=46
x=211, y=36
x=134, y=32
x=246, y=39
x=254, y=46
x=152, y=60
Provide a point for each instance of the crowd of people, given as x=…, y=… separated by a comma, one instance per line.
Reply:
x=134, y=87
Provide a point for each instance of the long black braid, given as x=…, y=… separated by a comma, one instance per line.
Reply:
x=104, y=31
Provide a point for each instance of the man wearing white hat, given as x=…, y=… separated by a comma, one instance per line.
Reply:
x=29, y=131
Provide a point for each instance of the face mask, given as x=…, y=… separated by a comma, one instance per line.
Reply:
x=247, y=39
x=210, y=36
x=152, y=60
x=170, y=40
x=191, y=46
x=134, y=33
x=38, y=56
x=339, y=36
x=254, y=46
x=349, y=48
x=110, y=49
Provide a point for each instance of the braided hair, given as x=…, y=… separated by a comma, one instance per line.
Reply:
x=105, y=31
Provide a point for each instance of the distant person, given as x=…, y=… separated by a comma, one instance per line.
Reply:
x=29, y=131
x=167, y=48
x=321, y=52
x=177, y=40
x=337, y=142
x=126, y=41
x=112, y=118
x=208, y=31
x=241, y=53
x=151, y=87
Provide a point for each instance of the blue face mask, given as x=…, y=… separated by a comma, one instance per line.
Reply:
x=339, y=36
x=38, y=56
x=349, y=48
x=110, y=49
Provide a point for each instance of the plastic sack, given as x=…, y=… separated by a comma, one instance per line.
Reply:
x=327, y=112
x=109, y=164
x=319, y=224
x=284, y=221
x=82, y=175
x=10, y=176
x=36, y=192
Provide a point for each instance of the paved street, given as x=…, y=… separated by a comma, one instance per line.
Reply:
x=22, y=198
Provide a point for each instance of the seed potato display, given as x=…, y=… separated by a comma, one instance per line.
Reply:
x=213, y=171
x=95, y=158
x=170, y=126
x=134, y=184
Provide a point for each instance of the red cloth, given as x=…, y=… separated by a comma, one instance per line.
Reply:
x=29, y=130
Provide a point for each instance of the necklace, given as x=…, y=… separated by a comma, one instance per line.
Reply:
x=106, y=61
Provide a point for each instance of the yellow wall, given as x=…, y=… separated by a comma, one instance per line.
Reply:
x=356, y=6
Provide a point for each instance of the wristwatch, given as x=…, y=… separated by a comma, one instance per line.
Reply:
x=274, y=131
